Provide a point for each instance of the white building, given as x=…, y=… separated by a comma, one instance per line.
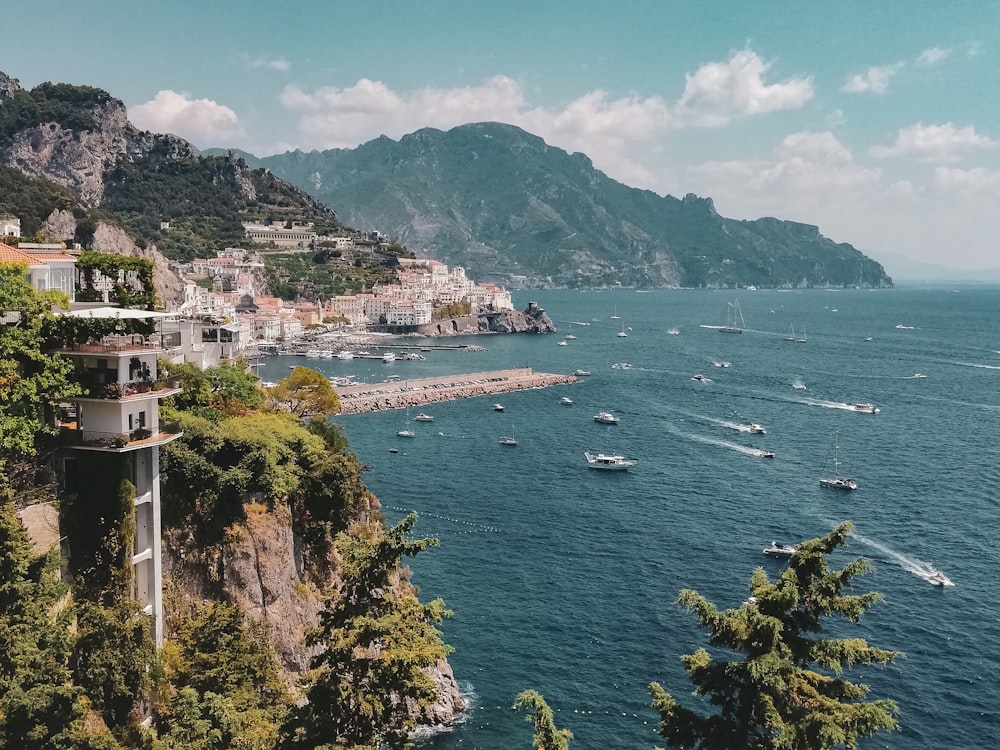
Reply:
x=298, y=235
x=10, y=226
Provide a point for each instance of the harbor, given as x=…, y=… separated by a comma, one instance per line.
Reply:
x=398, y=394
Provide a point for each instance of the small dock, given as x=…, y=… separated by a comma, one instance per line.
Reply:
x=398, y=394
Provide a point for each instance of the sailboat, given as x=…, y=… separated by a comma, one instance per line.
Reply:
x=733, y=313
x=621, y=334
x=838, y=482
x=508, y=439
x=796, y=339
x=405, y=431
x=616, y=316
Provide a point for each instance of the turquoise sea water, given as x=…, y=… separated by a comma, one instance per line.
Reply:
x=564, y=579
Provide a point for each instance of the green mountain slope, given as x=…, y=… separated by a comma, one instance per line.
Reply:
x=499, y=201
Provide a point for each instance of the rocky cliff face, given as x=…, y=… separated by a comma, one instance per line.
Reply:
x=260, y=567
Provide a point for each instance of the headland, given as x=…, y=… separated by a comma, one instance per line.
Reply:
x=366, y=397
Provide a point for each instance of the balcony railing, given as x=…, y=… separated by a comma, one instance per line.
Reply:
x=116, y=344
x=118, y=391
x=137, y=438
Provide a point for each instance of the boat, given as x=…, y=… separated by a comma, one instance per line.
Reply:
x=569, y=337
x=766, y=454
x=508, y=440
x=345, y=355
x=621, y=366
x=700, y=377
x=421, y=417
x=616, y=316
x=733, y=313
x=673, y=331
x=606, y=417
x=799, y=385
x=803, y=339
x=404, y=431
x=918, y=376
x=868, y=338
x=497, y=407
x=937, y=578
x=389, y=357
x=779, y=550
x=608, y=462
x=722, y=364
x=582, y=373
x=621, y=334
x=866, y=408
x=756, y=429
x=566, y=400
x=315, y=353
x=394, y=450
x=791, y=336
x=562, y=343
x=838, y=482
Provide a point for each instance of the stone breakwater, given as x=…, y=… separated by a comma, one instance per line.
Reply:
x=365, y=397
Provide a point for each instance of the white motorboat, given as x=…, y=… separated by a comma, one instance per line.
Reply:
x=700, y=378
x=345, y=354
x=608, y=462
x=779, y=550
x=918, y=376
x=937, y=578
x=497, y=407
x=389, y=357
x=421, y=417
x=756, y=429
x=722, y=364
x=606, y=417
x=766, y=454
x=562, y=343
x=674, y=331
x=866, y=408
x=315, y=353
x=569, y=337
x=394, y=450
x=566, y=401
x=582, y=373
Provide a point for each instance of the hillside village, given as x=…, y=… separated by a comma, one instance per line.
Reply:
x=224, y=313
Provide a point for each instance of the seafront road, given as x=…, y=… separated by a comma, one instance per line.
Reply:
x=365, y=397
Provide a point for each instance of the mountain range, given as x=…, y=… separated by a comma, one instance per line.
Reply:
x=512, y=209
x=487, y=196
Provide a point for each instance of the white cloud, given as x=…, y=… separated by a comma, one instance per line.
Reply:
x=875, y=80
x=201, y=121
x=938, y=143
x=718, y=93
x=977, y=182
x=933, y=56
x=818, y=147
x=271, y=63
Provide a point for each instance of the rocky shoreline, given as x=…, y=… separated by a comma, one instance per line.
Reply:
x=368, y=397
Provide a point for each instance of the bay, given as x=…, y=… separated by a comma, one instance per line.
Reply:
x=564, y=580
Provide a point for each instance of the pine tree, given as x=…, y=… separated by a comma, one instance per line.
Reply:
x=378, y=639
x=547, y=736
x=787, y=691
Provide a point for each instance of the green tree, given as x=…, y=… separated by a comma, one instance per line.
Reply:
x=377, y=640
x=223, y=390
x=305, y=393
x=33, y=377
x=40, y=707
x=787, y=691
x=546, y=736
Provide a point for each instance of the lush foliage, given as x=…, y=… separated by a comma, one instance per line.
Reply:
x=221, y=391
x=33, y=378
x=32, y=200
x=377, y=639
x=70, y=106
x=293, y=275
x=40, y=707
x=132, y=277
x=547, y=736
x=227, y=689
x=452, y=310
x=305, y=393
x=786, y=692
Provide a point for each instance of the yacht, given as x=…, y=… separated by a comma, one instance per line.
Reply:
x=766, y=454
x=566, y=401
x=777, y=549
x=605, y=417
x=866, y=408
x=508, y=440
x=421, y=417
x=497, y=407
x=674, y=331
x=608, y=463
x=389, y=357
x=405, y=433
x=394, y=450
x=756, y=429
x=839, y=483
x=570, y=337
x=313, y=353
x=562, y=343
x=937, y=578
x=582, y=373
x=345, y=355
x=701, y=377
x=919, y=376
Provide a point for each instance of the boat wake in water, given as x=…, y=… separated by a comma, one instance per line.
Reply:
x=723, y=444
x=919, y=568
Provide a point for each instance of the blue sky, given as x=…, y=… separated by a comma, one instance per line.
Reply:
x=876, y=121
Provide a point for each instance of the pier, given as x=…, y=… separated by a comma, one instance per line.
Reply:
x=397, y=394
